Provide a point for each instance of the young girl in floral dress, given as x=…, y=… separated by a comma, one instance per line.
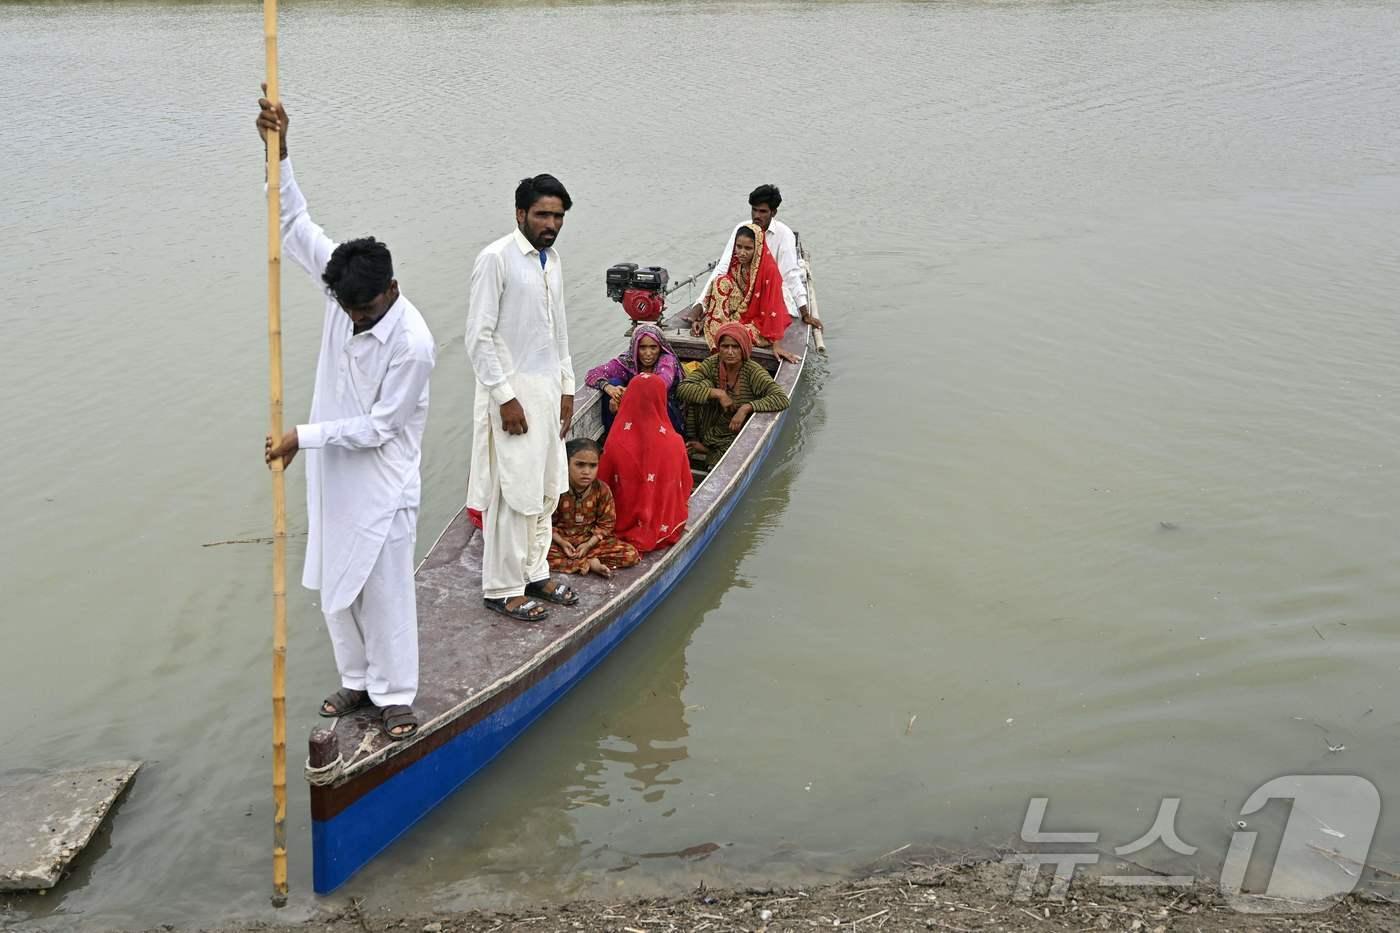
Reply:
x=585, y=518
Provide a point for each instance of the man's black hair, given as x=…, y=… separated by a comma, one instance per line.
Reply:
x=531, y=190
x=766, y=194
x=744, y=231
x=580, y=444
x=359, y=271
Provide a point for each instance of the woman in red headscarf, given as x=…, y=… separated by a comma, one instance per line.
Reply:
x=723, y=391
x=750, y=292
x=646, y=466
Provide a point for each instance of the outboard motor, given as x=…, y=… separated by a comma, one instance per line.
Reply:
x=640, y=289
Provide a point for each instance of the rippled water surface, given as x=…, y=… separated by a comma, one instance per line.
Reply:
x=1094, y=498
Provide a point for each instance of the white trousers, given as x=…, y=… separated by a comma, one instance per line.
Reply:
x=375, y=640
x=515, y=548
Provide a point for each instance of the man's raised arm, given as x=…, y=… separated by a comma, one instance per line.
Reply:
x=302, y=240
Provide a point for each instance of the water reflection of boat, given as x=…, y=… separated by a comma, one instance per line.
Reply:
x=484, y=678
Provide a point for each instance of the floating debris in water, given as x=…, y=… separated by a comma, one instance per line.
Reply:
x=249, y=540
x=701, y=851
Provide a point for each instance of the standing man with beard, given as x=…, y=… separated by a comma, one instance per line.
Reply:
x=518, y=343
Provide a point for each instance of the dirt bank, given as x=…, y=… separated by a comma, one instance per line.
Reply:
x=958, y=898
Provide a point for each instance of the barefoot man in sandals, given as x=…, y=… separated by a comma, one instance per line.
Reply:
x=362, y=446
x=519, y=348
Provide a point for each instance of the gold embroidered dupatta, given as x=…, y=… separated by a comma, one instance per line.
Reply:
x=725, y=301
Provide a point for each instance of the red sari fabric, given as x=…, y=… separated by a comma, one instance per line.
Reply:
x=766, y=311
x=760, y=306
x=646, y=466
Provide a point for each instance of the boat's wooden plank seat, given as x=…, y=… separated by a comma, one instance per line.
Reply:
x=690, y=348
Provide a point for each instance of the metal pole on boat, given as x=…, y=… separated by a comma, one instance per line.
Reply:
x=684, y=282
x=279, y=498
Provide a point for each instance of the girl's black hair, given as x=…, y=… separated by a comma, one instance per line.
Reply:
x=580, y=444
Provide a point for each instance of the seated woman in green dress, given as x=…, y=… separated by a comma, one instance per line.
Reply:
x=723, y=391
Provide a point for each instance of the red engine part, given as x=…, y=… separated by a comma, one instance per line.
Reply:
x=643, y=305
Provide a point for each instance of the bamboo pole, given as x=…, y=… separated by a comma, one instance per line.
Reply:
x=812, y=306
x=279, y=498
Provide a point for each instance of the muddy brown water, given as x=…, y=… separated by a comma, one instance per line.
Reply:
x=1094, y=498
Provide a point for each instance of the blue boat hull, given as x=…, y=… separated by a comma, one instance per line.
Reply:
x=347, y=841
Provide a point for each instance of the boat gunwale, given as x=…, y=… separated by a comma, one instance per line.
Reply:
x=751, y=442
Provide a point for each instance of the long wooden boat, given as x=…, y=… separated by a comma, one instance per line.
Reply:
x=485, y=678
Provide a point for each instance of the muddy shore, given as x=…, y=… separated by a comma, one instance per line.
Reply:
x=958, y=898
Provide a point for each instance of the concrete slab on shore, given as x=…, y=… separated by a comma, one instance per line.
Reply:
x=46, y=820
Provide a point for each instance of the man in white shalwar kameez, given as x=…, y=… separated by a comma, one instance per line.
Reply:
x=518, y=342
x=363, y=448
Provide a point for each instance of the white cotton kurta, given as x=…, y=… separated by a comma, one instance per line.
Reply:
x=518, y=342
x=363, y=442
x=782, y=243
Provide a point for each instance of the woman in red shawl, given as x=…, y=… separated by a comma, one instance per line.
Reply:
x=749, y=292
x=646, y=466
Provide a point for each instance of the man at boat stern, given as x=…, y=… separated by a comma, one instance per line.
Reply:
x=363, y=446
x=518, y=343
x=778, y=239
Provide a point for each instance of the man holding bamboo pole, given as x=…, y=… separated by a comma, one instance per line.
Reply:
x=363, y=447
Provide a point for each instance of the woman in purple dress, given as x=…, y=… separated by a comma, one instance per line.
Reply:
x=649, y=353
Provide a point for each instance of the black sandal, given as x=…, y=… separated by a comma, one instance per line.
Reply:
x=343, y=701
x=528, y=611
x=561, y=595
x=399, y=717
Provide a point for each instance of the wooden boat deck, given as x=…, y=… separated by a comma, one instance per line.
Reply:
x=469, y=654
x=484, y=678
